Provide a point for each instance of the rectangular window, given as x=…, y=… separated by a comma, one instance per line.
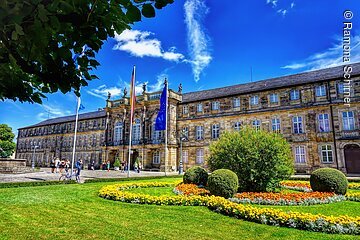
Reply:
x=320, y=91
x=300, y=155
x=215, y=132
x=236, y=102
x=185, y=134
x=298, y=125
x=254, y=100
x=275, y=125
x=215, y=105
x=199, y=156
x=199, y=107
x=185, y=156
x=348, y=120
x=294, y=95
x=340, y=88
x=237, y=126
x=326, y=153
x=199, y=132
x=185, y=109
x=274, y=98
x=324, y=124
x=156, y=158
x=256, y=124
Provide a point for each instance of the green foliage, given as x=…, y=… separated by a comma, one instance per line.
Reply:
x=196, y=175
x=7, y=146
x=117, y=162
x=223, y=182
x=260, y=159
x=39, y=37
x=328, y=180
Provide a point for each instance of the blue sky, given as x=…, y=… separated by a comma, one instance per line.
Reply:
x=205, y=44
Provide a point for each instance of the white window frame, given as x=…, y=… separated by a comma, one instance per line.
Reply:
x=185, y=109
x=236, y=102
x=298, y=125
x=237, y=126
x=199, y=107
x=215, y=105
x=185, y=156
x=276, y=125
x=215, y=131
x=185, y=132
x=348, y=122
x=274, y=98
x=326, y=154
x=156, y=157
x=156, y=135
x=199, y=156
x=256, y=124
x=320, y=90
x=294, y=94
x=300, y=154
x=136, y=134
x=199, y=132
x=324, y=122
x=254, y=100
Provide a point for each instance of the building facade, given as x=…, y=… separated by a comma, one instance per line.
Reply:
x=317, y=112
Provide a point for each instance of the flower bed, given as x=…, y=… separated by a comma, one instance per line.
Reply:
x=299, y=220
x=296, y=185
x=301, y=198
x=190, y=189
x=353, y=197
x=355, y=186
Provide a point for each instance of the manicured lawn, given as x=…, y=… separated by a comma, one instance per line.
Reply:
x=76, y=212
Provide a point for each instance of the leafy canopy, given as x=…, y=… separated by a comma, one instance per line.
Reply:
x=39, y=37
x=7, y=146
x=260, y=159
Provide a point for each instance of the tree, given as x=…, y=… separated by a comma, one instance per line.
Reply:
x=7, y=146
x=260, y=159
x=39, y=37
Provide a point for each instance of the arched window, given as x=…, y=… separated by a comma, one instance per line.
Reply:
x=136, y=131
x=157, y=135
x=118, y=133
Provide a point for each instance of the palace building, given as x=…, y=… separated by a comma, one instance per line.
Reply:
x=308, y=109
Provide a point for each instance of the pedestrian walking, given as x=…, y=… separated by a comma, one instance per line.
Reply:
x=52, y=165
x=92, y=166
x=108, y=166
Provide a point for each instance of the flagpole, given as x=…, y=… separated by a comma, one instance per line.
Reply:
x=132, y=92
x=166, y=124
x=76, y=124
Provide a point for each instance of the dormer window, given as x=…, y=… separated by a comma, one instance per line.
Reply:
x=320, y=91
x=294, y=95
x=254, y=100
x=236, y=102
x=274, y=98
x=215, y=105
x=185, y=109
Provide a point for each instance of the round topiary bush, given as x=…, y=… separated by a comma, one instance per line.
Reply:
x=328, y=180
x=260, y=159
x=196, y=175
x=223, y=182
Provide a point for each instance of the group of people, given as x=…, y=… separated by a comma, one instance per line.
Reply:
x=59, y=166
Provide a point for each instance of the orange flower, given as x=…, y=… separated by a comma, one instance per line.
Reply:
x=285, y=196
x=191, y=189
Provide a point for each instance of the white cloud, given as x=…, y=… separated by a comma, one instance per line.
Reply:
x=52, y=111
x=331, y=57
x=138, y=44
x=102, y=92
x=292, y=5
x=195, y=11
x=272, y=2
x=282, y=12
x=282, y=9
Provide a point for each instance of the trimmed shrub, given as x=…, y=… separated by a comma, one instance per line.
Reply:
x=223, y=182
x=328, y=180
x=117, y=162
x=196, y=175
x=260, y=159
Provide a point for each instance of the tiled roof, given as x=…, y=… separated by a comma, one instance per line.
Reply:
x=89, y=115
x=273, y=83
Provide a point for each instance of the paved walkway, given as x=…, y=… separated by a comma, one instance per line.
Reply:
x=45, y=175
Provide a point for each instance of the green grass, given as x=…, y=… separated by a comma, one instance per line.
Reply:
x=76, y=212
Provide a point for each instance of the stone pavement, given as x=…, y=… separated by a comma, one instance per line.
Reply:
x=45, y=175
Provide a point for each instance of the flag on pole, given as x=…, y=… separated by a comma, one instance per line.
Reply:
x=132, y=95
x=160, y=122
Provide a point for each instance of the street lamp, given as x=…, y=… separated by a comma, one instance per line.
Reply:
x=182, y=138
x=33, y=160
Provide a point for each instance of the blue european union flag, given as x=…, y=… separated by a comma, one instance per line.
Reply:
x=160, y=122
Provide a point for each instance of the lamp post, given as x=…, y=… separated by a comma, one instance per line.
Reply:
x=182, y=138
x=33, y=160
